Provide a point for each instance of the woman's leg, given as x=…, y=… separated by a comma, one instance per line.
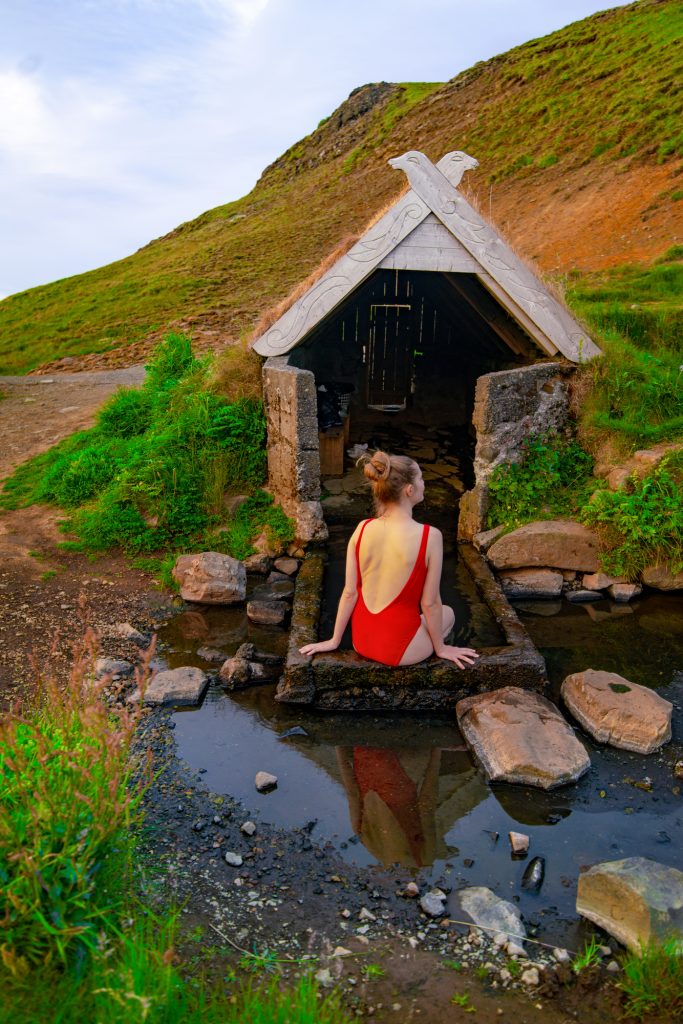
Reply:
x=421, y=647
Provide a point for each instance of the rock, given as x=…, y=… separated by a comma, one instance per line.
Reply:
x=341, y=951
x=112, y=667
x=531, y=583
x=599, y=581
x=264, y=545
x=296, y=730
x=579, y=596
x=533, y=876
x=483, y=541
x=618, y=478
x=264, y=782
x=661, y=577
x=519, y=736
x=258, y=564
x=559, y=543
x=624, y=592
x=289, y=566
x=492, y=914
x=211, y=578
x=251, y=653
x=239, y=672
x=514, y=949
x=678, y=769
x=233, y=859
x=636, y=900
x=248, y=828
x=277, y=590
x=366, y=915
x=561, y=955
x=519, y=843
x=432, y=905
x=411, y=891
x=613, y=967
x=210, y=654
x=530, y=976
x=268, y=613
x=618, y=712
x=178, y=686
x=324, y=977
x=128, y=632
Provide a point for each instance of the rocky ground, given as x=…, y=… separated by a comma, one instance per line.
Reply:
x=289, y=898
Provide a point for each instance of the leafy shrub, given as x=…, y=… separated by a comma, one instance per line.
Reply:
x=552, y=478
x=643, y=524
x=127, y=414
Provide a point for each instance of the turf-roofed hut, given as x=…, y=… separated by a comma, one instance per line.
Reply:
x=428, y=315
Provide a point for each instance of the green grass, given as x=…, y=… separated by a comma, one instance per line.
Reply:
x=589, y=956
x=155, y=471
x=605, y=83
x=652, y=982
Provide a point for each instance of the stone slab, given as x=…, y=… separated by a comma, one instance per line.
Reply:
x=618, y=712
x=636, y=900
x=520, y=736
x=662, y=577
x=531, y=583
x=268, y=613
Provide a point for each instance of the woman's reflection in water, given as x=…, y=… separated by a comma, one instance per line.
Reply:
x=392, y=801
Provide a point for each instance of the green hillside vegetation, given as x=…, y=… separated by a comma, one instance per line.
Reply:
x=154, y=472
x=601, y=90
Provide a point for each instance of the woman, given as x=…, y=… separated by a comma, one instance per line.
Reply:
x=393, y=568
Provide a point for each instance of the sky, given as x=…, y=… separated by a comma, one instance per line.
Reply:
x=120, y=119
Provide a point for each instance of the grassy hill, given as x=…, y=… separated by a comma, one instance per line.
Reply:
x=580, y=146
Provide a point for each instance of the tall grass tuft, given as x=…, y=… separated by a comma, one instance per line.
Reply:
x=653, y=981
x=65, y=816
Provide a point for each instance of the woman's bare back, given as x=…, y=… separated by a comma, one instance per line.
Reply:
x=387, y=554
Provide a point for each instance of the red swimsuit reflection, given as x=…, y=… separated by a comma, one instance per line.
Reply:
x=393, y=816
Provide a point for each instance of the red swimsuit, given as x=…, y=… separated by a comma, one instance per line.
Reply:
x=384, y=636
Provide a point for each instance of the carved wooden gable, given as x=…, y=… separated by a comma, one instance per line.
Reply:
x=433, y=228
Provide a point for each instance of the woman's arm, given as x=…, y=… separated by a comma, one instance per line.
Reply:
x=432, y=607
x=347, y=602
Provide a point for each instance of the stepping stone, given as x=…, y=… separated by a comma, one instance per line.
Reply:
x=289, y=566
x=178, y=686
x=580, y=596
x=599, y=581
x=623, y=592
x=518, y=736
x=274, y=590
x=615, y=711
x=258, y=564
x=636, y=900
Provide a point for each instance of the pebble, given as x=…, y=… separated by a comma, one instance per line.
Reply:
x=411, y=890
x=296, y=730
x=514, y=949
x=530, y=976
x=613, y=967
x=346, y=913
x=432, y=905
x=341, y=951
x=678, y=769
x=366, y=915
x=561, y=955
x=324, y=977
x=248, y=828
x=233, y=859
x=264, y=782
x=519, y=843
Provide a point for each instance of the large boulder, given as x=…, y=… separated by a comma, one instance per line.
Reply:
x=211, y=578
x=616, y=711
x=178, y=686
x=519, y=736
x=661, y=577
x=636, y=900
x=558, y=543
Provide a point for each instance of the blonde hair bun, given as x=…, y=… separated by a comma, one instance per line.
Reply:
x=376, y=467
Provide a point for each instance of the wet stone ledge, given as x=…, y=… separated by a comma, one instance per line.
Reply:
x=343, y=680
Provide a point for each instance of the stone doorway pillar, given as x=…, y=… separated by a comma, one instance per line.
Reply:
x=290, y=402
x=510, y=406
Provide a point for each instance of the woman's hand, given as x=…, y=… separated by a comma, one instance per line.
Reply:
x=320, y=648
x=462, y=656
